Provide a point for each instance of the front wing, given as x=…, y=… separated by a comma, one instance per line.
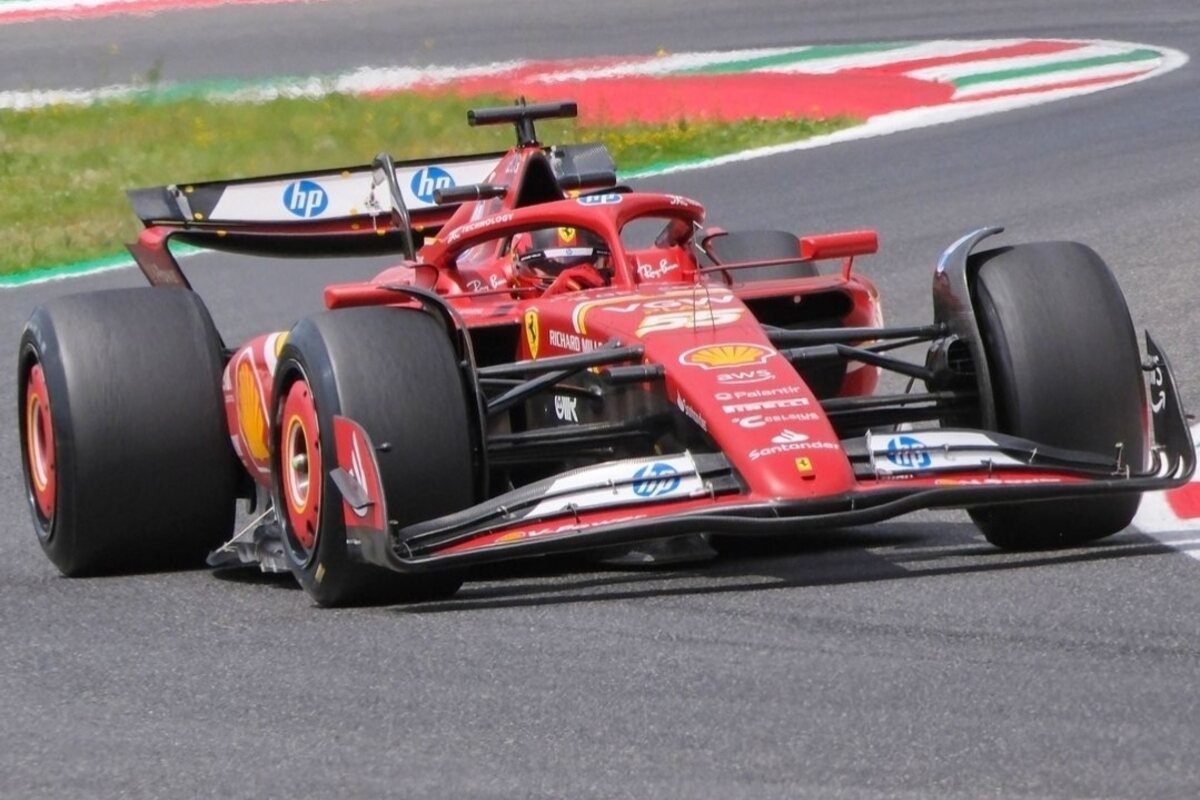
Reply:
x=632, y=500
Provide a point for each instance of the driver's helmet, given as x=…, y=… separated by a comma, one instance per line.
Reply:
x=545, y=253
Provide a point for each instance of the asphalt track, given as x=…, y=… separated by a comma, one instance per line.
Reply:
x=903, y=660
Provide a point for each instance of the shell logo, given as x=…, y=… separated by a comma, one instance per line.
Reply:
x=720, y=356
x=250, y=413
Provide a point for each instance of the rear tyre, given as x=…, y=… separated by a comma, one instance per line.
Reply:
x=1066, y=371
x=124, y=443
x=737, y=246
x=395, y=373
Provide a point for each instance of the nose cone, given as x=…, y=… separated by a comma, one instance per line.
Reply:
x=726, y=377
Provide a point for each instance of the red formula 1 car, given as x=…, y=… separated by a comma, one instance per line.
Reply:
x=559, y=364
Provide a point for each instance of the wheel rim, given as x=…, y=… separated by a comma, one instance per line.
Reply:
x=300, y=467
x=39, y=446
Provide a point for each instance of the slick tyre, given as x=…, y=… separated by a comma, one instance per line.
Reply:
x=124, y=444
x=395, y=373
x=1066, y=371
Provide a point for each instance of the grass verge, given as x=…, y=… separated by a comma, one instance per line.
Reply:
x=64, y=169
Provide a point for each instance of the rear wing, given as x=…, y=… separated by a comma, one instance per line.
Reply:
x=371, y=209
x=302, y=201
x=382, y=207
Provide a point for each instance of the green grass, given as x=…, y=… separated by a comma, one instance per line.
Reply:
x=64, y=169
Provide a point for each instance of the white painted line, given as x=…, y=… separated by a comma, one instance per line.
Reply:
x=942, y=48
x=1052, y=78
x=948, y=72
x=677, y=62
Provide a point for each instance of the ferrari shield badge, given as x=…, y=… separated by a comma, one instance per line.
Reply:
x=532, y=332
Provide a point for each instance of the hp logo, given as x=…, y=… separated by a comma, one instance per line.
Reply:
x=305, y=199
x=427, y=179
x=655, y=480
x=608, y=199
x=908, y=451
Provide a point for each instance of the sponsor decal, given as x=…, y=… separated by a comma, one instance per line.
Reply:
x=305, y=199
x=619, y=483
x=908, y=451
x=655, y=480
x=650, y=272
x=691, y=413
x=804, y=467
x=1158, y=395
x=565, y=408
x=607, y=199
x=251, y=416
x=550, y=530
x=358, y=473
x=355, y=457
x=689, y=320
x=792, y=447
x=494, y=281
x=936, y=449
x=754, y=394
x=427, y=179
x=765, y=405
x=789, y=436
x=533, y=333
x=742, y=377
x=676, y=313
x=680, y=300
x=571, y=341
x=475, y=227
x=763, y=420
x=721, y=356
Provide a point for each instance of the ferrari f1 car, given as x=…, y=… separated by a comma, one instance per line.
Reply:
x=559, y=363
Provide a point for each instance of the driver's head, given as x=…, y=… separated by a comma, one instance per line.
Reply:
x=545, y=253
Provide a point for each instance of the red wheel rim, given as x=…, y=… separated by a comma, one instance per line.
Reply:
x=39, y=443
x=300, y=465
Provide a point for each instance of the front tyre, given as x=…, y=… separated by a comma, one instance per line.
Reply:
x=1066, y=371
x=395, y=373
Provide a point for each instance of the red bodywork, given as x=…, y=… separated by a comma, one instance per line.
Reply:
x=695, y=322
x=676, y=312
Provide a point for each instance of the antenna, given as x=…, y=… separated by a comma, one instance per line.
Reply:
x=522, y=115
